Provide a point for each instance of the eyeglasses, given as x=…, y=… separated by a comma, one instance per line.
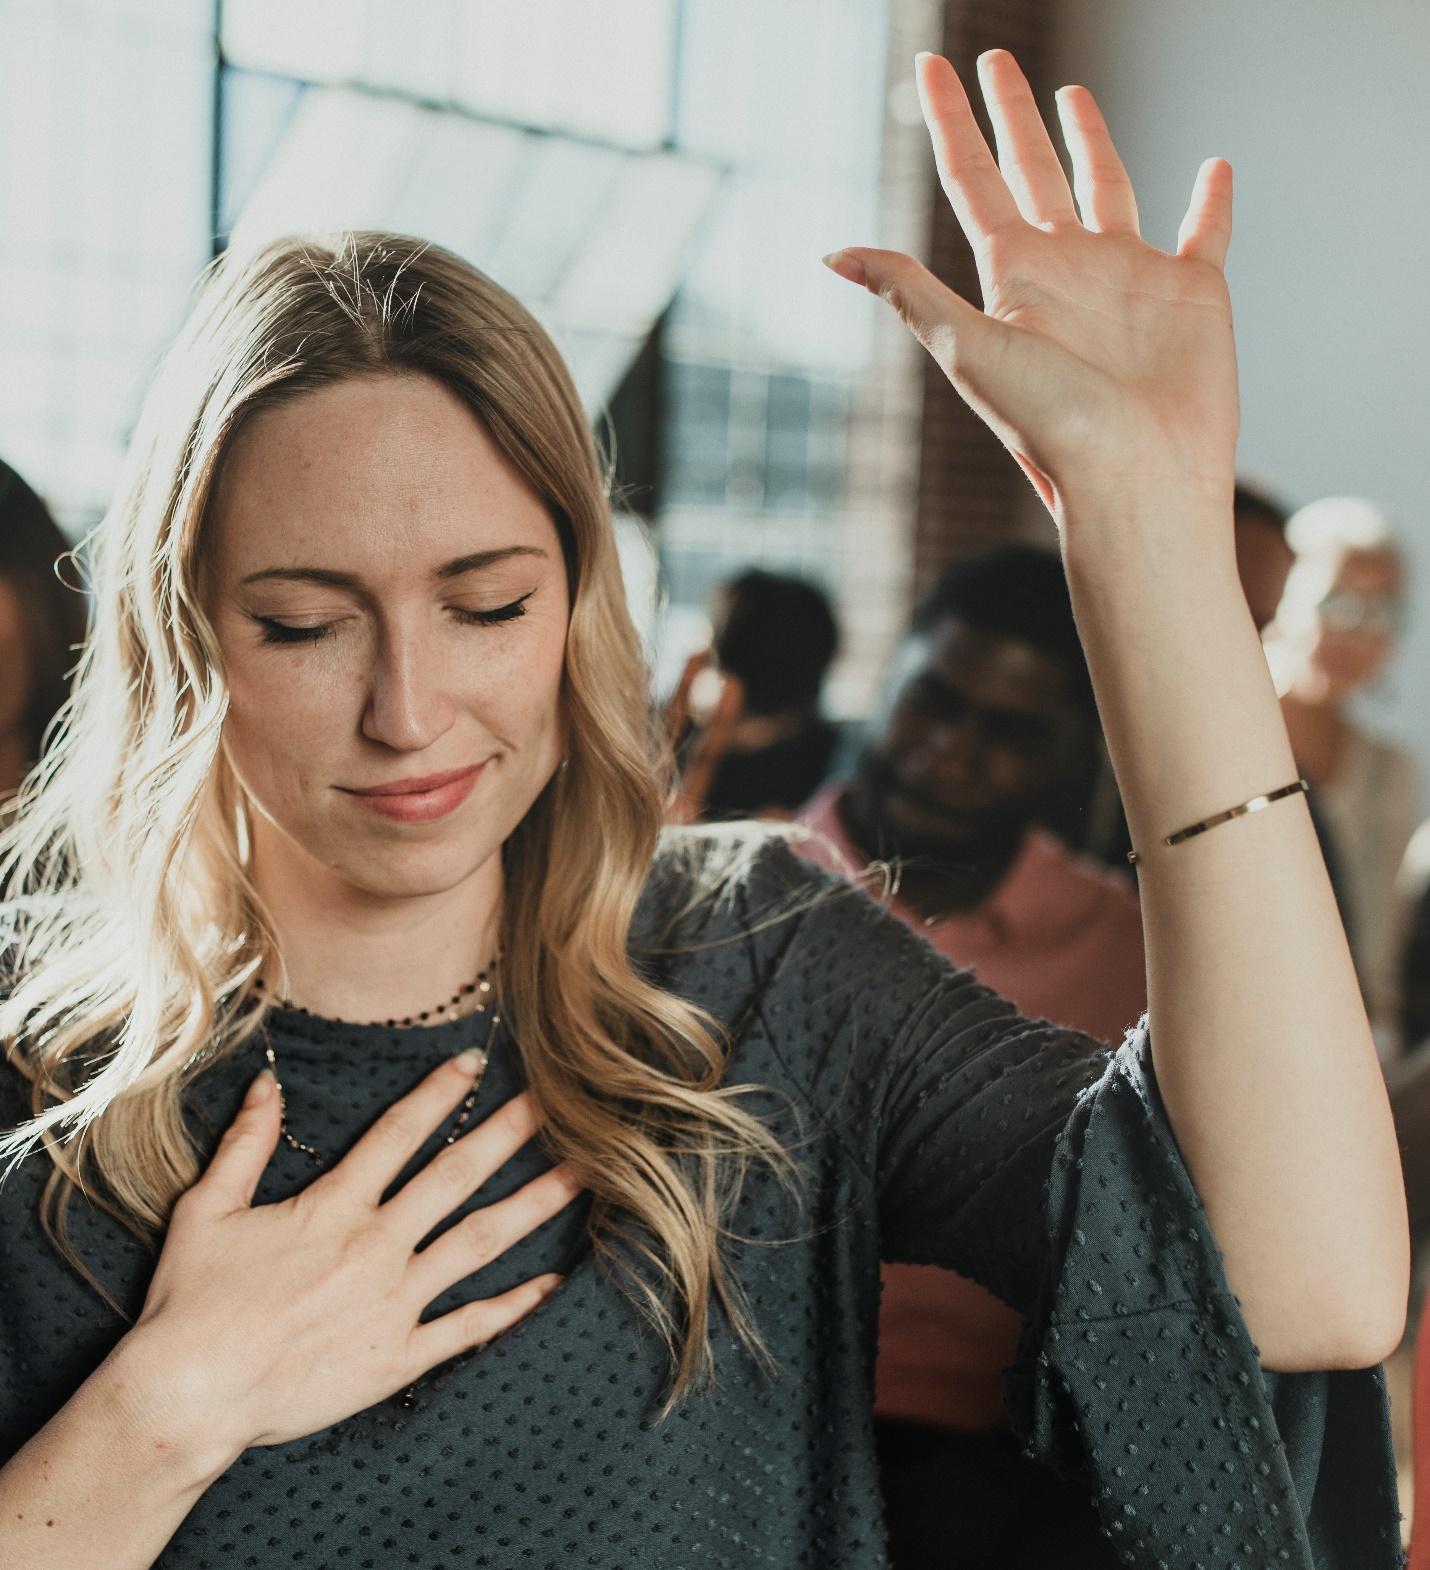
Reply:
x=1344, y=611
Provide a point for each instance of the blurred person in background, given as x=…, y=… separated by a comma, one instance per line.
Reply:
x=1088, y=813
x=1263, y=553
x=763, y=748
x=990, y=710
x=1333, y=637
x=1413, y=887
x=1264, y=559
x=42, y=623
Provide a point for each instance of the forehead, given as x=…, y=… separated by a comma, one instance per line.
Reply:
x=367, y=475
x=994, y=671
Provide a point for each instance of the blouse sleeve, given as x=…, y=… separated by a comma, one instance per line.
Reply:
x=1137, y=1372
x=1030, y=1158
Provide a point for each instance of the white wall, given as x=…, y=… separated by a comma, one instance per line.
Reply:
x=1322, y=108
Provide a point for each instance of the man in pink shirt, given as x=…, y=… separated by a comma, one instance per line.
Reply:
x=989, y=715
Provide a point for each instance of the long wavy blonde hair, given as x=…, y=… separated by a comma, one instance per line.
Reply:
x=138, y=930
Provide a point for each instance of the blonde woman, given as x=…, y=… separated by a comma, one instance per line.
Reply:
x=358, y=784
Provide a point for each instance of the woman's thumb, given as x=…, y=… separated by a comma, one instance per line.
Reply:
x=943, y=322
x=247, y=1145
x=986, y=360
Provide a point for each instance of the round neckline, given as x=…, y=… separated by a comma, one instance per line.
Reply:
x=298, y=1034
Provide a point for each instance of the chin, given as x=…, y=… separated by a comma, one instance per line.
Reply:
x=413, y=871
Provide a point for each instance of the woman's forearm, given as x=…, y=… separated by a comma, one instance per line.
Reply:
x=1263, y=1054
x=108, y=1479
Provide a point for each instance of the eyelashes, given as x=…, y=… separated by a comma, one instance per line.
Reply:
x=275, y=631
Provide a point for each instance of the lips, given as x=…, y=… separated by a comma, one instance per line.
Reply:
x=422, y=799
x=416, y=786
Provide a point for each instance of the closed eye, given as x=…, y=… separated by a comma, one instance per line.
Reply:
x=275, y=631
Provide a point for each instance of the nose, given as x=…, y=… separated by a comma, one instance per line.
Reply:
x=950, y=754
x=409, y=701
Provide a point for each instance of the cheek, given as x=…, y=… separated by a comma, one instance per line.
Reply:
x=513, y=685
x=1019, y=780
x=285, y=715
x=907, y=726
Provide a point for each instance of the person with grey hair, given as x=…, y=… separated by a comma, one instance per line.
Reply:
x=1335, y=633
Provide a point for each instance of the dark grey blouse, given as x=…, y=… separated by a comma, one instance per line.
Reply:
x=928, y=1119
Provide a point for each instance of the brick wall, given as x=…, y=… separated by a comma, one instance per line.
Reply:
x=970, y=493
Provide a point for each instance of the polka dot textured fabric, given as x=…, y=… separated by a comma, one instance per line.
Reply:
x=931, y=1124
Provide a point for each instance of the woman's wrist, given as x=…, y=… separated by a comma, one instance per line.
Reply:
x=160, y=1406
x=1146, y=519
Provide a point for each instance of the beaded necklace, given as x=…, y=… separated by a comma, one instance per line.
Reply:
x=443, y=1012
x=451, y=1010
x=447, y=1012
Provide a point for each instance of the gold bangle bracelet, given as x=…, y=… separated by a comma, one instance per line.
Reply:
x=1254, y=805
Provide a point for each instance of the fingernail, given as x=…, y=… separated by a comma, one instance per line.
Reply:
x=846, y=266
x=469, y=1061
x=923, y=54
x=261, y=1089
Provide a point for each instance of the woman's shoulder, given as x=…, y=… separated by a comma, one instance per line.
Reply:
x=767, y=889
x=723, y=875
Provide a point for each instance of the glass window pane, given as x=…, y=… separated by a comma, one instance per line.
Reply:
x=697, y=432
x=104, y=223
x=550, y=218
x=598, y=71
x=787, y=442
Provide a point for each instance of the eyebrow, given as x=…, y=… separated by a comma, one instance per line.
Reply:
x=474, y=562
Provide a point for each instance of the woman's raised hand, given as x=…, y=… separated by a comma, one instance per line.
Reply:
x=1099, y=361
x=265, y=1323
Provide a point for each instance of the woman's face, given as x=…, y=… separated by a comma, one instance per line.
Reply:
x=391, y=601
x=1355, y=620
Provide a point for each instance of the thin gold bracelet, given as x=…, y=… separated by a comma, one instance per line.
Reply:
x=1254, y=805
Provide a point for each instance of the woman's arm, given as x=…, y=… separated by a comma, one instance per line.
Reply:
x=1107, y=368
x=109, y=1478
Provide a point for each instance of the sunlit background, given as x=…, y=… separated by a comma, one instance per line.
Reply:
x=658, y=179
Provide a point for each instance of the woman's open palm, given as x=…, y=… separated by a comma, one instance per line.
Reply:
x=1096, y=354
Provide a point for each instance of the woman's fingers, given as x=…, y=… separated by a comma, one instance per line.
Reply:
x=1206, y=230
x=1026, y=156
x=486, y=1234
x=1104, y=193
x=371, y=1165
x=244, y=1151
x=455, y=1173
x=966, y=169
x=474, y=1324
